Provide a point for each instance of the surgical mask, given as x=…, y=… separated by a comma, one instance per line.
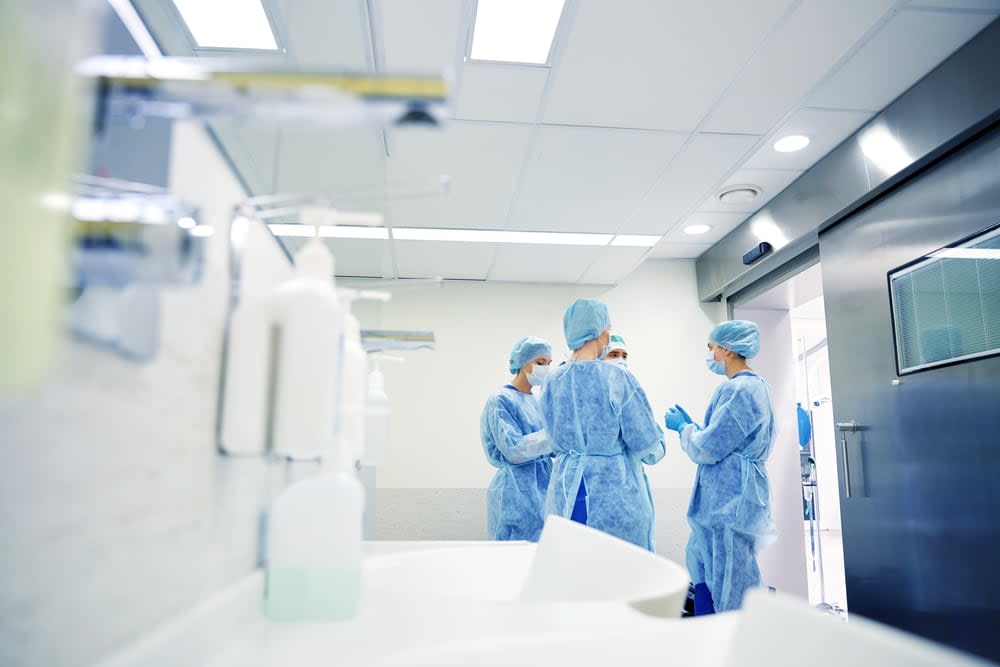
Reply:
x=538, y=374
x=621, y=362
x=716, y=367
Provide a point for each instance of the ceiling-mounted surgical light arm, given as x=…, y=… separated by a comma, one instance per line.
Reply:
x=213, y=89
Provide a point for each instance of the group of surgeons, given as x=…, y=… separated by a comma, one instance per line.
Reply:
x=577, y=448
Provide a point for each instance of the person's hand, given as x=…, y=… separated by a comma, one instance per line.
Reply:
x=676, y=419
x=684, y=413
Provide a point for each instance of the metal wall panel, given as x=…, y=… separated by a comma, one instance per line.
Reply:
x=955, y=100
x=921, y=525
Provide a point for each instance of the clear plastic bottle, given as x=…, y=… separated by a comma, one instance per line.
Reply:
x=314, y=546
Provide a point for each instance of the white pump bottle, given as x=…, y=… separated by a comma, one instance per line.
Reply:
x=287, y=342
x=354, y=382
x=377, y=414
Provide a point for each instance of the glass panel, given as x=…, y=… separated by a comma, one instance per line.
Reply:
x=946, y=307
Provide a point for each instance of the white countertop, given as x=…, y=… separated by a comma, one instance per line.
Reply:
x=404, y=627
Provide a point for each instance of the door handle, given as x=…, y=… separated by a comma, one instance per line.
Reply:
x=844, y=428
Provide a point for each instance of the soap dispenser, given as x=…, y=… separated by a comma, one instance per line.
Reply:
x=377, y=414
x=283, y=357
x=353, y=389
x=314, y=546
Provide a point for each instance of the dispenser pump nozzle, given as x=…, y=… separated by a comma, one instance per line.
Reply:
x=314, y=259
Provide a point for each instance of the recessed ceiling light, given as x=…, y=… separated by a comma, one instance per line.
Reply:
x=791, y=143
x=497, y=236
x=227, y=24
x=739, y=194
x=516, y=31
x=635, y=241
x=695, y=230
x=203, y=231
x=187, y=223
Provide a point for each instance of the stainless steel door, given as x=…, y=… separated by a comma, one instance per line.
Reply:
x=921, y=505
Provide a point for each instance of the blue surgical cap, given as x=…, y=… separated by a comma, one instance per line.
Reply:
x=527, y=349
x=585, y=320
x=740, y=336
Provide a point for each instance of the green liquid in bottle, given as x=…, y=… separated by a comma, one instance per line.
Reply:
x=312, y=594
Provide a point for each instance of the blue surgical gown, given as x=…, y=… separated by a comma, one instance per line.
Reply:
x=515, y=442
x=603, y=430
x=730, y=512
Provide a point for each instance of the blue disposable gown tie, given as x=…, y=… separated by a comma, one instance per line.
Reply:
x=730, y=512
x=602, y=430
x=515, y=442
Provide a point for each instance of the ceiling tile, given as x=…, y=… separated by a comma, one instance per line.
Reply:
x=721, y=224
x=770, y=181
x=262, y=143
x=252, y=151
x=483, y=161
x=321, y=160
x=426, y=259
x=900, y=54
x=353, y=257
x=658, y=65
x=613, y=264
x=542, y=263
x=500, y=92
x=826, y=129
x=420, y=36
x=692, y=174
x=330, y=35
x=588, y=180
x=793, y=61
x=666, y=250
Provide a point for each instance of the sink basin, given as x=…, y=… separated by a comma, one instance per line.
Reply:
x=486, y=571
x=575, y=563
x=571, y=563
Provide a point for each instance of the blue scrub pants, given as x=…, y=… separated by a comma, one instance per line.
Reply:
x=580, y=506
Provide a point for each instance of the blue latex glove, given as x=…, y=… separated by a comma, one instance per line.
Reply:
x=684, y=413
x=676, y=419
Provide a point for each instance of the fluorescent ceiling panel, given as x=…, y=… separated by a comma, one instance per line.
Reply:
x=636, y=240
x=498, y=236
x=517, y=31
x=227, y=24
x=329, y=232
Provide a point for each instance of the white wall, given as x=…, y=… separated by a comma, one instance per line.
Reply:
x=782, y=564
x=437, y=397
x=112, y=494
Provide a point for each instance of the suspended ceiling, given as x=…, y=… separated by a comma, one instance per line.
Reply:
x=649, y=109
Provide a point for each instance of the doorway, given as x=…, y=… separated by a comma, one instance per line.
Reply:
x=807, y=559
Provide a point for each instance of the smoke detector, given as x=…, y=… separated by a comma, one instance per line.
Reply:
x=739, y=194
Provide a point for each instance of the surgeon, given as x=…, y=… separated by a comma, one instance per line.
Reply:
x=603, y=431
x=516, y=443
x=730, y=512
x=617, y=351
